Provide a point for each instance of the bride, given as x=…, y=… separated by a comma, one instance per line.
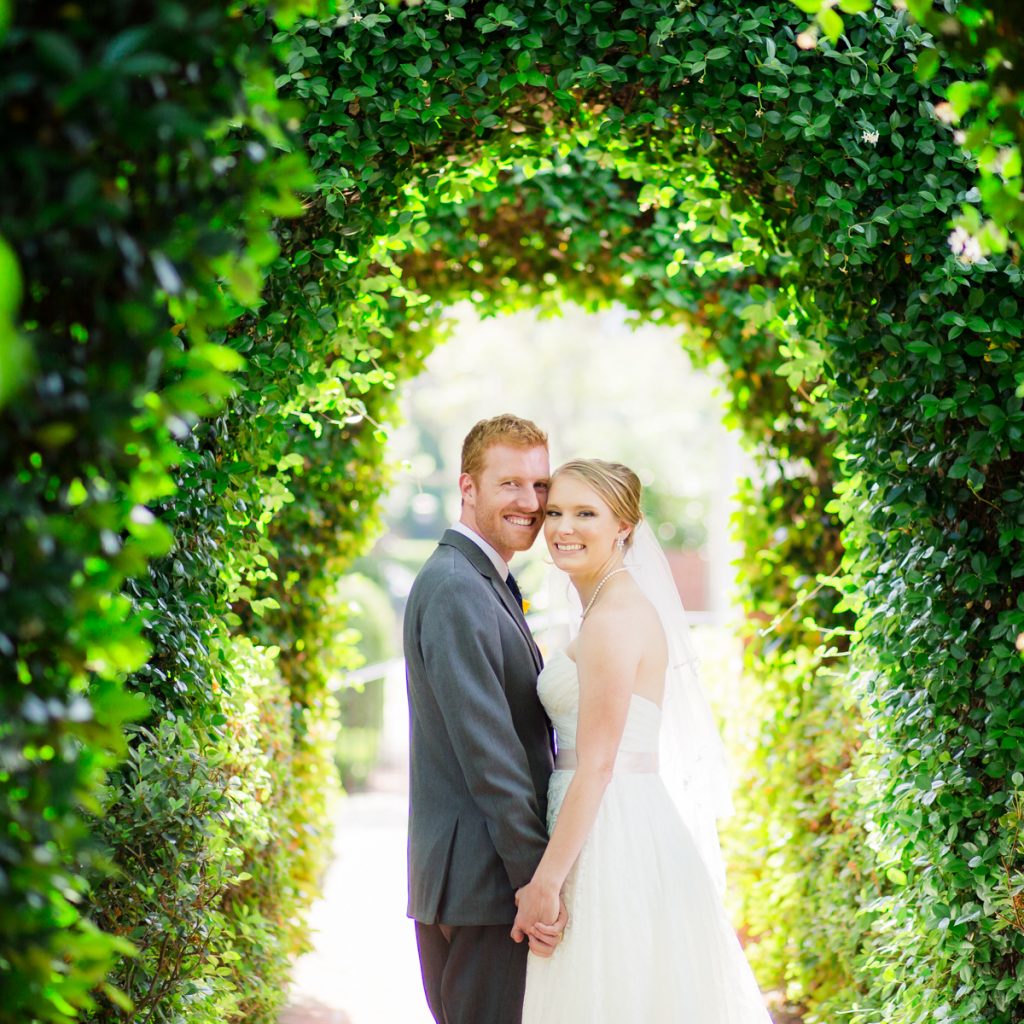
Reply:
x=633, y=849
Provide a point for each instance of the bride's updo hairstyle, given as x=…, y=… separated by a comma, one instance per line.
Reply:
x=617, y=485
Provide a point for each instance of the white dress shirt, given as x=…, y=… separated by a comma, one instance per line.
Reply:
x=499, y=563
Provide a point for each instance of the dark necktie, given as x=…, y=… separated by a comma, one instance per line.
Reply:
x=510, y=582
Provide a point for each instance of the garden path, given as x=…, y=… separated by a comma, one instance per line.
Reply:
x=364, y=968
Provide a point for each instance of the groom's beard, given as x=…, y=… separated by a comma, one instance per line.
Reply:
x=507, y=528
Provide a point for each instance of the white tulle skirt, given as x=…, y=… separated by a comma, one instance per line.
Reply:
x=648, y=939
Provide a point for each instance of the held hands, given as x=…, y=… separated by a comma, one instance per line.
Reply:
x=542, y=918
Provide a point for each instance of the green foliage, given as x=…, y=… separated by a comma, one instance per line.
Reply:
x=139, y=184
x=197, y=455
x=211, y=850
x=165, y=827
x=801, y=882
x=983, y=39
x=14, y=354
x=797, y=850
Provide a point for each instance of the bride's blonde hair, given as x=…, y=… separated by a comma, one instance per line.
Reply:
x=617, y=485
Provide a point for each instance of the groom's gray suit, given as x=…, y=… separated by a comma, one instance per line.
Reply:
x=480, y=760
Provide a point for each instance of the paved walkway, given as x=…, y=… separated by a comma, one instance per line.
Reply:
x=364, y=969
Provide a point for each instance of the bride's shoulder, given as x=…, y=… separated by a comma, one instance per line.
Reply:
x=636, y=603
x=628, y=614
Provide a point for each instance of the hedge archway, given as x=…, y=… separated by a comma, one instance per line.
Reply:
x=787, y=206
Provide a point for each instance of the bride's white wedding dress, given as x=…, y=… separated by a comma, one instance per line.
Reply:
x=648, y=940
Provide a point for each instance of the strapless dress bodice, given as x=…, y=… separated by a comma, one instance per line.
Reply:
x=559, y=690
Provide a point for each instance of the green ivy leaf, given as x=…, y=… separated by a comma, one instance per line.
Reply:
x=927, y=65
x=831, y=24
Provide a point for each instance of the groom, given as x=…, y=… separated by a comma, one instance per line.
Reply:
x=480, y=742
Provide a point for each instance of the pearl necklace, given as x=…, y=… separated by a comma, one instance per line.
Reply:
x=604, y=580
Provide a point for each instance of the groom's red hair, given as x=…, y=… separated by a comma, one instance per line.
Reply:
x=503, y=429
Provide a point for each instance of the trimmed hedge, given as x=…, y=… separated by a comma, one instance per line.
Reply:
x=197, y=451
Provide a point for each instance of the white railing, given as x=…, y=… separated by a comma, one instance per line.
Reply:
x=539, y=623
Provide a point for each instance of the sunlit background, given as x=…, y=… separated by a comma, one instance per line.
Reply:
x=600, y=388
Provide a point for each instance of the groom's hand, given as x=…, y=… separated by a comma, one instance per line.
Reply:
x=541, y=918
x=538, y=904
x=545, y=938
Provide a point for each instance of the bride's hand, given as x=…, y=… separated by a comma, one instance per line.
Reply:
x=545, y=938
x=541, y=918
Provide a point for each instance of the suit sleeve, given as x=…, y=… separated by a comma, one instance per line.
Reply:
x=463, y=663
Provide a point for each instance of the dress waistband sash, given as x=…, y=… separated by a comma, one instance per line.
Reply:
x=634, y=761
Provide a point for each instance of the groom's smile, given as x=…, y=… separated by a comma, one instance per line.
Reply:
x=521, y=520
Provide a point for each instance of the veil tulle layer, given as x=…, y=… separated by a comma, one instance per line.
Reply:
x=693, y=762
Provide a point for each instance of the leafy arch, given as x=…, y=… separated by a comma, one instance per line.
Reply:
x=820, y=182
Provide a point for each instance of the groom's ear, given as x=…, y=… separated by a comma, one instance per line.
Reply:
x=467, y=488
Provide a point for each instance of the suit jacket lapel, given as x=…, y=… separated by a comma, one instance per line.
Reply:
x=485, y=566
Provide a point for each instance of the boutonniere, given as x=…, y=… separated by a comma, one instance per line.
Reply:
x=526, y=606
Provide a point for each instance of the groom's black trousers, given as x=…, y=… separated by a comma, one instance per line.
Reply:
x=472, y=974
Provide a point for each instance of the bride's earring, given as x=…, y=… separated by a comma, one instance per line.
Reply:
x=620, y=543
